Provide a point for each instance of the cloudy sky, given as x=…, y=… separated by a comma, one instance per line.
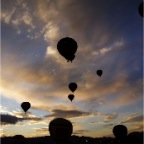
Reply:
x=109, y=37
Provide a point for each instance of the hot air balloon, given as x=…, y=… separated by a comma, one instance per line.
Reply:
x=140, y=9
x=71, y=97
x=67, y=47
x=99, y=72
x=72, y=86
x=25, y=106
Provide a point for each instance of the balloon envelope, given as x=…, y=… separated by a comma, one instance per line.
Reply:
x=140, y=9
x=25, y=106
x=71, y=96
x=99, y=72
x=67, y=47
x=72, y=86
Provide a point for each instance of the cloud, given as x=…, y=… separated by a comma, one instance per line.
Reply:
x=7, y=15
x=110, y=117
x=115, y=45
x=110, y=125
x=68, y=113
x=41, y=130
x=107, y=119
x=16, y=13
x=4, y=110
x=137, y=128
x=133, y=119
x=11, y=119
x=21, y=114
x=61, y=21
x=51, y=32
x=23, y=18
x=81, y=132
x=7, y=11
x=42, y=87
x=131, y=94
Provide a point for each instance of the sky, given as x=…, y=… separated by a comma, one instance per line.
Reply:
x=109, y=35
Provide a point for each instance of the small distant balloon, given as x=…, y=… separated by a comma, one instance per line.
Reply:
x=72, y=86
x=99, y=72
x=71, y=97
x=67, y=47
x=140, y=9
x=25, y=106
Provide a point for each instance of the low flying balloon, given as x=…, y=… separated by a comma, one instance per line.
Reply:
x=72, y=86
x=71, y=97
x=67, y=47
x=99, y=72
x=25, y=106
x=140, y=9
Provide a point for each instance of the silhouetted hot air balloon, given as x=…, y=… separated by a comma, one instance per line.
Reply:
x=71, y=97
x=67, y=47
x=140, y=9
x=25, y=106
x=99, y=72
x=72, y=86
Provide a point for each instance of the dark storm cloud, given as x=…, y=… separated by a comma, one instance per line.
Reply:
x=10, y=119
x=68, y=113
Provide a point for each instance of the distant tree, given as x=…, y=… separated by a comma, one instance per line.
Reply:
x=19, y=139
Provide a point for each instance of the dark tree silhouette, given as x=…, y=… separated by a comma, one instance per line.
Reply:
x=135, y=138
x=19, y=139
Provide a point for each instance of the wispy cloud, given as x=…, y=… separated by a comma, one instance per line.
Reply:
x=81, y=132
x=133, y=119
x=107, y=119
x=41, y=130
x=110, y=117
